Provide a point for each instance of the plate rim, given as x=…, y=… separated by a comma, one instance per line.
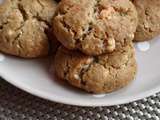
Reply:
x=68, y=101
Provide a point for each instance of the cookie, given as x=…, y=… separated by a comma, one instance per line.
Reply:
x=149, y=19
x=95, y=26
x=98, y=74
x=24, y=25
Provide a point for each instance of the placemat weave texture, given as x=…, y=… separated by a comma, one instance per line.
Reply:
x=18, y=105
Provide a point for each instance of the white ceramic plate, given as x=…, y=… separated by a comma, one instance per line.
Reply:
x=33, y=76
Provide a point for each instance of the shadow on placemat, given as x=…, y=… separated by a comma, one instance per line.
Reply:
x=18, y=105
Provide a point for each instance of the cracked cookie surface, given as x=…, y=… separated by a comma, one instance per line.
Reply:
x=149, y=19
x=24, y=25
x=95, y=26
x=99, y=74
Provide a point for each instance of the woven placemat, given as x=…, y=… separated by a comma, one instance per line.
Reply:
x=18, y=105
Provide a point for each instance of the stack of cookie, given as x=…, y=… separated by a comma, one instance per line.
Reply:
x=95, y=52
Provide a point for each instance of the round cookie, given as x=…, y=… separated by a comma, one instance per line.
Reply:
x=149, y=19
x=95, y=26
x=24, y=25
x=99, y=74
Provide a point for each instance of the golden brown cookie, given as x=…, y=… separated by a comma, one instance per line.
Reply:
x=24, y=25
x=99, y=74
x=149, y=19
x=95, y=26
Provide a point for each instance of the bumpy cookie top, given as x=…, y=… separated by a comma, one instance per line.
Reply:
x=105, y=73
x=24, y=25
x=95, y=26
x=149, y=19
